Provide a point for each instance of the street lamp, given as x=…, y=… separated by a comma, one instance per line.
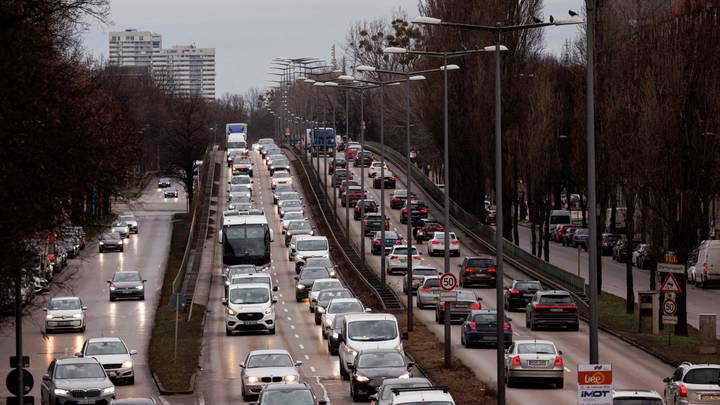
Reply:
x=496, y=31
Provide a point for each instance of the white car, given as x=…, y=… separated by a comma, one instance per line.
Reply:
x=280, y=177
x=130, y=221
x=292, y=216
x=311, y=246
x=114, y=356
x=262, y=367
x=287, y=206
x=319, y=285
x=640, y=396
x=65, y=313
x=244, y=193
x=396, y=260
x=366, y=331
x=242, y=180
x=249, y=307
x=415, y=397
x=375, y=169
x=339, y=306
x=436, y=244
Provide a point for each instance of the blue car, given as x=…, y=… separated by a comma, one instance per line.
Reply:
x=479, y=329
x=391, y=239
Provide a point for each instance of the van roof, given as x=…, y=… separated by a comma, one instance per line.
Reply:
x=370, y=317
x=244, y=219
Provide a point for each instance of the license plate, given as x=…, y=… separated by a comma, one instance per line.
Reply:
x=250, y=322
x=493, y=338
x=556, y=309
x=709, y=397
x=86, y=401
x=537, y=363
x=528, y=295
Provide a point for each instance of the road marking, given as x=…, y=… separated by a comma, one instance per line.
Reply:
x=325, y=393
x=201, y=399
x=285, y=309
x=516, y=334
x=283, y=302
x=312, y=369
x=292, y=326
x=297, y=336
x=289, y=318
x=567, y=370
x=163, y=400
x=307, y=357
x=301, y=347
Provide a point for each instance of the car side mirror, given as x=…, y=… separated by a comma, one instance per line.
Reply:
x=298, y=363
x=144, y=281
x=404, y=336
x=322, y=402
x=133, y=352
x=296, y=277
x=410, y=365
x=242, y=365
x=274, y=300
x=46, y=377
x=560, y=352
x=224, y=301
x=220, y=237
x=109, y=282
x=275, y=288
x=368, y=309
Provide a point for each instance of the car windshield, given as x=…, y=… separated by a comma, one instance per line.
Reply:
x=235, y=188
x=345, y=307
x=380, y=360
x=126, y=218
x=119, y=225
x=388, y=235
x=108, y=236
x=324, y=285
x=293, y=215
x=372, y=330
x=582, y=232
x=79, y=370
x=299, y=226
x=256, y=231
x=280, y=175
x=528, y=286
x=331, y=294
x=237, y=145
x=404, y=251
x=314, y=273
x=387, y=390
x=249, y=295
x=284, y=397
x=431, y=282
x=291, y=203
x=535, y=348
x=319, y=262
x=284, y=188
x=291, y=195
x=64, y=304
x=242, y=269
x=556, y=299
x=100, y=348
x=706, y=376
x=240, y=199
x=425, y=272
x=484, y=318
x=481, y=262
x=241, y=180
x=466, y=296
x=244, y=279
x=126, y=276
x=310, y=245
x=637, y=401
x=269, y=360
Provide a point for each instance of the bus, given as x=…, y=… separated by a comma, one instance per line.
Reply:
x=246, y=239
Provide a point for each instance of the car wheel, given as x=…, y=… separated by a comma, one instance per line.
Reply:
x=333, y=351
x=112, y=298
x=298, y=299
x=82, y=329
x=99, y=251
x=527, y=321
x=702, y=283
x=228, y=332
x=343, y=374
x=575, y=327
x=131, y=380
x=417, y=304
x=510, y=382
x=245, y=397
x=560, y=383
x=122, y=250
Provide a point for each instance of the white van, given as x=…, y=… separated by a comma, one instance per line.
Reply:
x=312, y=246
x=249, y=307
x=366, y=332
x=707, y=267
x=558, y=217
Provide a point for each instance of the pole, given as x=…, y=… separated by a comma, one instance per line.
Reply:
x=334, y=206
x=347, y=164
x=18, y=335
x=499, y=229
x=408, y=237
x=448, y=359
x=446, y=162
x=592, y=204
x=362, y=176
x=382, y=187
x=325, y=151
x=177, y=311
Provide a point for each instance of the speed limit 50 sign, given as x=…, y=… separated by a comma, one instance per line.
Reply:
x=448, y=281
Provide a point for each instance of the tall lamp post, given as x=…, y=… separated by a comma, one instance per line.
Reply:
x=497, y=30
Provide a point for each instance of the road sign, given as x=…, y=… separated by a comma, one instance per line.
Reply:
x=14, y=362
x=669, y=307
x=11, y=382
x=448, y=281
x=670, y=285
x=670, y=320
x=671, y=268
x=595, y=384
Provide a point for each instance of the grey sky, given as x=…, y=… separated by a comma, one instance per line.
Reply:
x=247, y=34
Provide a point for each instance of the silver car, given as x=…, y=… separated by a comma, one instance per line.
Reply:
x=262, y=367
x=290, y=217
x=65, y=313
x=534, y=360
x=428, y=293
x=384, y=391
x=339, y=306
x=320, y=285
x=76, y=381
x=131, y=221
x=693, y=384
x=113, y=355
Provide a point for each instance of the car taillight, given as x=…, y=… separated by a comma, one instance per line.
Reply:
x=683, y=390
x=469, y=270
x=472, y=325
x=391, y=178
x=516, y=361
x=558, y=361
x=423, y=211
x=455, y=242
x=475, y=306
x=426, y=289
x=376, y=242
x=506, y=326
x=404, y=210
x=491, y=270
x=442, y=305
x=515, y=292
x=365, y=222
x=434, y=242
x=393, y=257
x=417, y=258
x=398, y=241
x=396, y=198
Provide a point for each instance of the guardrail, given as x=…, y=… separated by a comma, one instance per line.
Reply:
x=485, y=235
x=385, y=295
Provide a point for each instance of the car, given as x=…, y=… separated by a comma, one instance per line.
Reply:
x=287, y=195
x=706, y=269
x=568, y=235
x=418, y=396
x=413, y=209
x=480, y=329
x=282, y=188
x=324, y=299
x=373, y=366
x=534, y=360
x=337, y=163
x=425, y=228
x=164, y=182
x=361, y=332
x=623, y=249
x=476, y=270
x=263, y=367
x=241, y=181
x=286, y=206
x=320, y=285
x=351, y=151
x=111, y=241
x=321, y=262
x=239, y=203
x=464, y=302
x=490, y=215
x=337, y=307
x=280, y=177
x=385, y=390
x=333, y=336
x=363, y=207
x=306, y=279
x=134, y=401
x=112, y=353
x=310, y=246
x=298, y=228
x=428, y=292
x=643, y=256
x=253, y=278
x=68, y=247
x=398, y=197
x=131, y=222
x=121, y=228
x=437, y=244
x=389, y=183
x=339, y=176
x=345, y=184
x=374, y=222
x=249, y=307
x=558, y=233
x=363, y=159
x=291, y=247
x=68, y=379
x=392, y=238
x=396, y=260
x=242, y=165
x=65, y=313
x=375, y=168
x=693, y=384
x=552, y=308
x=520, y=293
x=237, y=269
x=170, y=192
x=637, y=396
x=581, y=237
x=279, y=164
x=608, y=242
x=352, y=195
x=288, y=393
x=126, y=284
x=419, y=274
x=290, y=217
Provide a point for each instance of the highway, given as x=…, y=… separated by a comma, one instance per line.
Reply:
x=86, y=278
x=631, y=367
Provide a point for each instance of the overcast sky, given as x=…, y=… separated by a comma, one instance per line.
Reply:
x=247, y=34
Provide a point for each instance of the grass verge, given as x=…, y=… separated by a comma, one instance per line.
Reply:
x=672, y=349
x=175, y=374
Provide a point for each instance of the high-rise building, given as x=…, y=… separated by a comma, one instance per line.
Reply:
x=186, y=70
x=133, y=48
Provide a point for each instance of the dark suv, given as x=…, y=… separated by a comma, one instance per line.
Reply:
x=398, y=197
x=364, y=207
x=425, y=229
x=414, y=209
x=520, y=293
x=478, y=270
x=552, y=308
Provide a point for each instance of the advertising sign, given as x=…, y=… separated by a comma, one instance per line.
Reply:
x=595, y=384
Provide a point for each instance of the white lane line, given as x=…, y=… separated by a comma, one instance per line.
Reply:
x=312, y=369
x=201, y=399
x=292, y=326
x=297, y=336
x=289, y=318
x=567, y=370
x=283, y=302
x=307, y=357
x=163, y=400
x=301, y=347
x=516, y=334
x=325, y=393
x=285, y=309
x=280, y=295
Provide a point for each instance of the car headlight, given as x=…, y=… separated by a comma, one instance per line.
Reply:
x=300, y=287
x=121, y=241
x=326, y=255
x=320, y=310
x=112, y=288
x=127, y=364
x=231, y=312
x=49, y=317
x=361, y=378
x=60, y=392
x=289, y=233
x=328, y=322
x=77, y=316
x=351, y=351
x=102, y=243
x=290, y=378
x=109, y=390
x=139, y=287
x=253, y=380
x=332, y=273
x=227, y=282
x=335, y=335
x=268, y=311
x=312, y=233
x=406, y=375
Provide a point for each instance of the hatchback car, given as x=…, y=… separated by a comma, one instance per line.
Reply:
x=364, y=207
x=413, y=209
x=428, y=292
x=164, y=182
x=170, y=192
x=126, y=284
x=385, y=391
x=320, y=285
x=121, y=228
x=389, y=183
x=372, y=367
x=287, y=206
x=460, y=305
x=338, y=307
x=292, y=216
x=375, y=168
x=436, y=244
x=262, y=367
x=426, y=228
x=324, y=299
x=65, y=313
x=552, y=308
x=693, y=383
x=112, y=353
x=69, y=381
x=131, y=222
x=396, y=261
x=418, y=276
x=280, y=177
x=111, y=241
x=476, y=270
x=520, y=293
x=392, y=238
x=296, y=394
x=534, y=360
x=306, y=279
x=298, y=228
x=480, y=329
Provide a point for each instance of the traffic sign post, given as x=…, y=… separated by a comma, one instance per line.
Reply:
x=595, y=384
x=673, y=285
x=448, y=282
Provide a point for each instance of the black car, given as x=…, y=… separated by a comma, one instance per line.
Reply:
x=424, y=229
x=623, y=249
x=390, y=181
x=298, y=228
x=306, y=279
x=300, y=394
x=414, y=209
x=374, y=222
x=111, y=241
x=478, y=270
x=552, y=308
x=341, y=175
x=364, y=206
x=520, y=293
x=164, y=182
x=609, y=240
x=363, y=159
x=333, y=340
x=127, y=284
x=371, y=367
x=324, y=299
x=398, y=197
x=462, y=304
x=391, y=239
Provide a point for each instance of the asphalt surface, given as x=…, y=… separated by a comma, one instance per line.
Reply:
x=632, y=368
x=86, y=278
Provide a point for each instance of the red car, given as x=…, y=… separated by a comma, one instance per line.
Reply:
x=340, y=163
x=351, y=152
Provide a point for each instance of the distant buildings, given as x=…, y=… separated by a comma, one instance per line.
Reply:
x=180, y=69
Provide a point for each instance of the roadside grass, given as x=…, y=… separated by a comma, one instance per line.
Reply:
x=673, y=349
x=175, y=374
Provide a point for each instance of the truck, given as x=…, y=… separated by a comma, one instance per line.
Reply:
x=236, y=146
x=322, y=140
x=235, y=128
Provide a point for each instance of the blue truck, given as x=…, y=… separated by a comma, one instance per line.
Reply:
x=322, y=140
